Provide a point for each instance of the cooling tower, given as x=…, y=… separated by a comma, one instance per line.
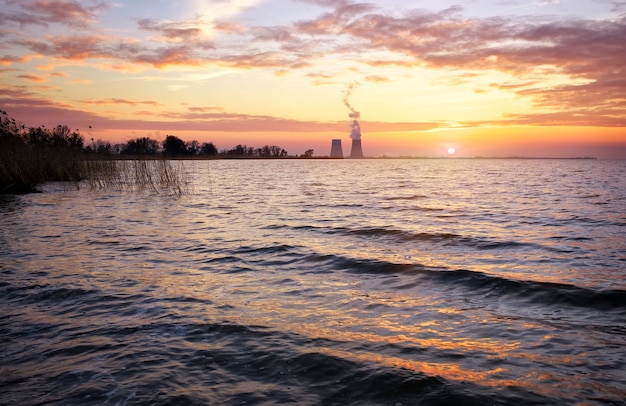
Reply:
x=356, y=152
x=336, y=151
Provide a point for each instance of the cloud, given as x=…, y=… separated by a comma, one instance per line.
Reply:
x=21, y=97
x=564, y=66
x=548, y=2
x=319, y=78
x=176, y=31
x=23, y=105
x=377, y=78
x=204, y=109
x=228, y=27
x=593, y=53
x=10, y=59
x=75, y=47
x=45, y=12
x=123, y=101
x=334, y=22
x=32, y=78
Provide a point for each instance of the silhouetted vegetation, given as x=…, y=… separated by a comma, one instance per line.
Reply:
x=208, y=149
x=29, y=156
x=174, y=146
x=159, y=176
x=267, y=151
x=142, y=146
x=33, y=155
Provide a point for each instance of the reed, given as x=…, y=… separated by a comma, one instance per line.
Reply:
x=30, y=157
x=156, y=176
x=23, y=167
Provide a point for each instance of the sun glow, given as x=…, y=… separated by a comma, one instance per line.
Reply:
x=451, y=151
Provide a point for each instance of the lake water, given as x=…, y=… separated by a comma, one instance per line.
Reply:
x=331, y=282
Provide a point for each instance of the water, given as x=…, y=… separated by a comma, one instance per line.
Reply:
x=394, y=282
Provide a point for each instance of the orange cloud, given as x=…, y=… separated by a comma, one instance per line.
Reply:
x=22, y=104
x=32, y=78
x=75, y=47
x=376, y=78
x=10, y=59
x=593, y=52
x=572, y=70
x=123, y=101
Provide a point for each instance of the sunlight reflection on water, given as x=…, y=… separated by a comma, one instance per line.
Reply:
x=473, y=272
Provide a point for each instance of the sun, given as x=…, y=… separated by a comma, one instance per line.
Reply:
x=451, y=151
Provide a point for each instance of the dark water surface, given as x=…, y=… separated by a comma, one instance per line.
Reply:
x=399, y=282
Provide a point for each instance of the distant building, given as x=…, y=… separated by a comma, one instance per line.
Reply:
x=356, y=151
x=336, y=151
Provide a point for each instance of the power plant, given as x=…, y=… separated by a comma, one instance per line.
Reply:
x=336, y=151
x=356, y=151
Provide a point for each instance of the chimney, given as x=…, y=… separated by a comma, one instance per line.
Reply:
x=356, y=152
x=336, y=151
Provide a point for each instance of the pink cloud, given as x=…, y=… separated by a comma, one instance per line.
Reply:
x=44, y=12
x=77, y=47
x=34, y=111
x=594, y=52
x=204, y=109
x=228, y=27
x=10, y=59
x=171, y=31
x=32, y=78
x=123, y=101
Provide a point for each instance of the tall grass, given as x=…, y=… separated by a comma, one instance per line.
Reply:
x=30, y=157
x=157, y=176
x=23, y=167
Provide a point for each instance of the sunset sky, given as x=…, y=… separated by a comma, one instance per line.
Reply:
x=488, y=78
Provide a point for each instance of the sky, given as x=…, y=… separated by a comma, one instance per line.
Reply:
x=537, y=78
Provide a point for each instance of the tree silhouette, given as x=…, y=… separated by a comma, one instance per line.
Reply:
x=140, y=146
x=174, y=146
x=208, y=148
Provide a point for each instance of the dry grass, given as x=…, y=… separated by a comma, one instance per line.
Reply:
x=32, y=156
x=23, y=173
x=22, y=168
x=157, y=176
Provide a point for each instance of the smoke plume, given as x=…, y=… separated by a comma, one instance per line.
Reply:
x=355, y=134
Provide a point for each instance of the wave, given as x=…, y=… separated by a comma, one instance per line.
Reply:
x=475, y=283
x=412, y=197
x=223, y=362
x=545, y=293
x=84, y=299
x=39, y=293
x=445, y=239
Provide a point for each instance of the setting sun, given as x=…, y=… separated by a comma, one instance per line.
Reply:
x=451, y=151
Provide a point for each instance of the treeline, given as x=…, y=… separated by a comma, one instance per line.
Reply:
x=62, y=138
x=268, y=151
x=174, y=147
x=32, y=155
